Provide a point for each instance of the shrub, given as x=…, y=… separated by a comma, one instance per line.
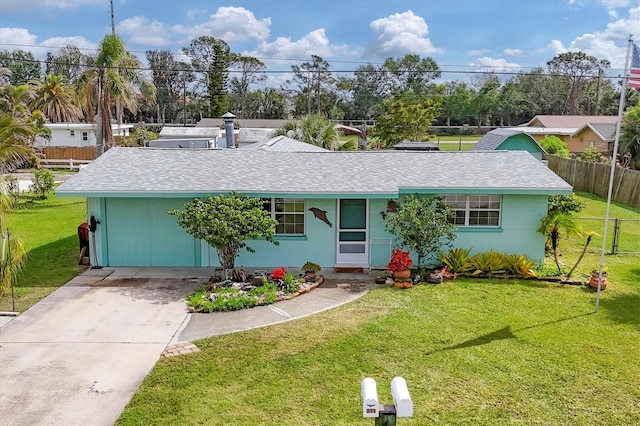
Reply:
x=489, y=263
x=457, y=260
x=289, y=283
x=520, y=266
x=555, y=146
x=43, y=183
x=590, y=154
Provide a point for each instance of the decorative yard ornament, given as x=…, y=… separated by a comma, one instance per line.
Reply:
x=320, y=214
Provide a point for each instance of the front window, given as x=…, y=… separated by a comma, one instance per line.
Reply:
x=475, y=210
x=85, y=136
x=289, y=212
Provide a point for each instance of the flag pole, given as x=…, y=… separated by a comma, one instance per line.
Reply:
x=614, y=158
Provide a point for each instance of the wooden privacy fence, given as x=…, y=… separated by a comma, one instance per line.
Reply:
x=594, y=178
x=67, y=152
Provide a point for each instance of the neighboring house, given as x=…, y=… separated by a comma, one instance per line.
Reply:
x=499, y=197
x=509, y=139
x=77, y=134
x=283, y=144
x=567, y=127
x=188, y=138
x=598, y=135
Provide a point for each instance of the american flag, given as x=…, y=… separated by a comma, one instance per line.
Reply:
x=634, y=72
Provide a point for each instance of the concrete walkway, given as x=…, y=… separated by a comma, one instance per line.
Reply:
x=77, y=357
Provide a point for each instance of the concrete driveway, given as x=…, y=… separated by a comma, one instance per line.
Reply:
x=77, y=357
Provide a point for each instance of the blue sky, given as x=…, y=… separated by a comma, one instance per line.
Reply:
x=461, y=35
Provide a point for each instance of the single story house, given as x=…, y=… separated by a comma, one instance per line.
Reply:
x=78, y=134
x=578, y=131
x=330, y=205
x=509, y=139
x=598, y=135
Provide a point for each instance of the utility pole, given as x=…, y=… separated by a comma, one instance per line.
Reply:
x=113, y=25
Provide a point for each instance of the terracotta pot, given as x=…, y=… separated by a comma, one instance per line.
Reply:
x=593, y=282
x=403, y=284
x=402, y=275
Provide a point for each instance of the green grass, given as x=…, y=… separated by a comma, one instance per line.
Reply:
x=48, y=229
x=456, y=147
x=456, y=138
x=473, y=352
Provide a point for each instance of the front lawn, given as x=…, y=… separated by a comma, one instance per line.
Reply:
x=48, y=229
x=472, y=351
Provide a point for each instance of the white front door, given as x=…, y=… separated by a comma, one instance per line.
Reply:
x=353, y=232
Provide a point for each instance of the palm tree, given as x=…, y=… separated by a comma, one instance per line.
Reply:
x=554, y=226
x=15, y=141
x=313, y=129
x=15, y=100
x=112, y=77
x=56, y=99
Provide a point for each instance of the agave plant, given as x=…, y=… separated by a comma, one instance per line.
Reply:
x=489, y=263
x=521, y=266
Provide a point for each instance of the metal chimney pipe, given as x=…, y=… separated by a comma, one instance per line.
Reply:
x=228, y=129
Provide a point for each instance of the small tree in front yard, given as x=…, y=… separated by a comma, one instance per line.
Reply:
x=423, y=225
x=226, y=223
x=555, y=146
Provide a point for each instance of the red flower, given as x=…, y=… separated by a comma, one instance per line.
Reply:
x=278, y=273
x=400, y=259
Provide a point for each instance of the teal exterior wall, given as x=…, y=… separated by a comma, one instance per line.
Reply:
x=521, y=216
x=139, y=232
x=521, y=142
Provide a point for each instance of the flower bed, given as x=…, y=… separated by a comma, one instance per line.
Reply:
x=220, y=296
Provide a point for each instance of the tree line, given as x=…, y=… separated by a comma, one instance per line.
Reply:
x=216, y=80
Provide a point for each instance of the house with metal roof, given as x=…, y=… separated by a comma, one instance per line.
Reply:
x=330, y=206
x=283, y=144
x=509, y=139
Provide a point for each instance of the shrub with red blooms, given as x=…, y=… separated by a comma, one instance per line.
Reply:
x=400, y=259
x=278, y=273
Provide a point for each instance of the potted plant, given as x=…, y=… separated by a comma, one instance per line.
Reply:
x=310, y=269
x=595, y=276
x=399, y=266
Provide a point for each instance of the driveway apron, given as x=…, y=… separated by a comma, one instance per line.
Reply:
x=77, y=357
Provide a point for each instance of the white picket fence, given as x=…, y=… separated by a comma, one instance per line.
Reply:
x=70, y=164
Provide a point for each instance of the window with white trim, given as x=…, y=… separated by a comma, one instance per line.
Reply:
x=475, y=210
x=289, y=212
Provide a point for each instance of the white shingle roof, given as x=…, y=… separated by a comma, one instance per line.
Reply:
x=143, y=171
x=283, y=144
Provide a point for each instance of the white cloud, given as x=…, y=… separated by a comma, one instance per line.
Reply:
x=20, y=38
x=496, y=65
x=400, y=34
x=608, y=44
x=512, y=52
x=143, y=31
x=231, y=24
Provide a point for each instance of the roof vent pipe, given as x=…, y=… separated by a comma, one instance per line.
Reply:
x=228, y=129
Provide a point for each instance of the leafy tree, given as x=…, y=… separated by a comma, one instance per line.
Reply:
x=553, y=145
x=267, y=103
x=578, y=68
x=458, y=103
x=56, y=99
x=43, y=183
x=251, y=71
x=423, y=225
x=315, y=83
x=69, y=62
x=590, y=154
x=170, y=78
x=368, y=91
x=486, y=99
x=212, y=57
x=226, y=222
x=411, y=75
x=22, y=65
x=404, y=121
x=554, y=226
x=630, y=135
x=565, y=204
